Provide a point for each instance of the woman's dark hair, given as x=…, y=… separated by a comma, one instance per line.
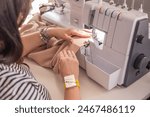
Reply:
x=11, y=47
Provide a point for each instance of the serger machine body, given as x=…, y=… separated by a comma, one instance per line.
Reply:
x=119, y=51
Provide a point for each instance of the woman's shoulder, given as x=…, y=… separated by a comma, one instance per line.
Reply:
x=17, y=82
x=14, y=67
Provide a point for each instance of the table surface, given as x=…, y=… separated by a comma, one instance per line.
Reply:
x=90, y=90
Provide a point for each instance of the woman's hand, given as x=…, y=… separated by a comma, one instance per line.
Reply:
x=68, y=64
x=68, y=33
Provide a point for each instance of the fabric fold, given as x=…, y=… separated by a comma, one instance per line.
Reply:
x=48, y=55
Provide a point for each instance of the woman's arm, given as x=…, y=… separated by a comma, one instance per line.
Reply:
x=72, y=93
x=33, y=40
x=69, y=66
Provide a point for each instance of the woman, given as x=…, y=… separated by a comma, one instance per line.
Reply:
x=16, y=80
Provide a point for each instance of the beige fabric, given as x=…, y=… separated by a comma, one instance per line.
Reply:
x=47, y=55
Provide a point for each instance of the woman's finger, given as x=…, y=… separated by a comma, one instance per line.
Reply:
x=80, y=33
x=61, y=54
x=88, y=30
x=68, y=38
x=65, y=53
x=69, y=53
x=73, y=54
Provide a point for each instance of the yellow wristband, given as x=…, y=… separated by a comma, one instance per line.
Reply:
x=70, y=81
x=77, y=84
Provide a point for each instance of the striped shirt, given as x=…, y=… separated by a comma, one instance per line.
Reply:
x=18, y=83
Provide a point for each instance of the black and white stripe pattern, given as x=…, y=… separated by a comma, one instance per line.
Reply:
x=18, y=83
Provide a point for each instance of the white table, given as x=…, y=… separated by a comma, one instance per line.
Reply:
x=89, y=89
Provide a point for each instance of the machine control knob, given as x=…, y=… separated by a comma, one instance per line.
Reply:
x=141, y=62
x=140, y=39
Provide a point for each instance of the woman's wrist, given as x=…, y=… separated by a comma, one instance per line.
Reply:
x=70, y=81
x=75, y=76
x=52, y=32
x=44, y=35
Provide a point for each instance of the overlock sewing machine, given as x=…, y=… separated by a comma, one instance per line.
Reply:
x=119, y=51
